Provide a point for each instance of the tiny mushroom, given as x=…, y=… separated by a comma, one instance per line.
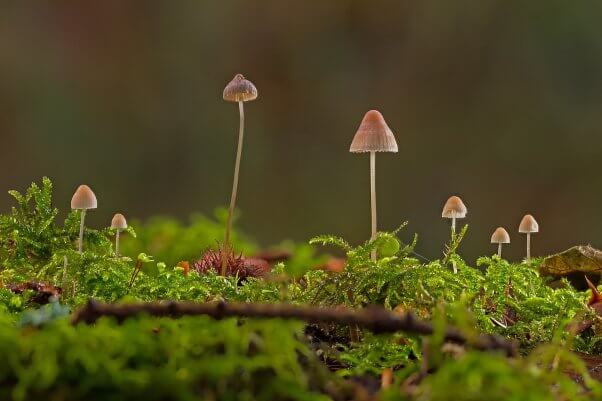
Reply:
x=238, y=90
x=500, y=236
x=373, y=135
x=528, y=225
x=454, y=209
x=83, y=200
x=119, y=223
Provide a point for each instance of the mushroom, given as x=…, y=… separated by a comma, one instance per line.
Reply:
x=500, y=236
x=119, y=223
x=528, y=225
x=454, y=209
x=373, y=135
x=83, y=200
x=238, y=90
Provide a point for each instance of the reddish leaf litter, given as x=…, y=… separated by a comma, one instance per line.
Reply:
x=42, y=292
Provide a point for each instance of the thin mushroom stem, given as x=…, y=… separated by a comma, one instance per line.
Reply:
x=117, y=235
x=528, y=246
x=499, y=249
x=453, y=228
x=373, y=199
x=234, y=188
x=81, y=231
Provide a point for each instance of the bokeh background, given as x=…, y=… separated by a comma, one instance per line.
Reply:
x=497, y=101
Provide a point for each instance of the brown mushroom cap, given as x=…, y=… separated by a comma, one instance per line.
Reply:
x=454, y=208
x=240, y=90
x=500, y=236
x=528, y=225
x=373, y=135
x=119, y=222
x=84, y=199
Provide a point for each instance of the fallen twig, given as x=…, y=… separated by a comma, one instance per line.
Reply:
x=375, y=319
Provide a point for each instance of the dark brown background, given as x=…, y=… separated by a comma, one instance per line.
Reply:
x=497, y=101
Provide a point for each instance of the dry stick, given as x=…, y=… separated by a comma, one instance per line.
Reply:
x=137, y=269
x=375, y=319
x=373, y=199
x=80, y=246
x=241, y=133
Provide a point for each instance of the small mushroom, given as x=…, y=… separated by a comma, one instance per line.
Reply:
x=500, y=236
x=528, y=225
x=83, y=200
x=238, y=90
x=119, y=223
x=454, y=209
x=373, y=135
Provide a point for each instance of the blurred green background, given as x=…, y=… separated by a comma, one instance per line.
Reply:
x=498, y=101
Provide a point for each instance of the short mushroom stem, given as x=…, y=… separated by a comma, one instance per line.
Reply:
x=499, y=250
x=528, y=247
x=373, y=199
x=117, y=235
x=453, y=227
x=234, y=188
x=80, y=247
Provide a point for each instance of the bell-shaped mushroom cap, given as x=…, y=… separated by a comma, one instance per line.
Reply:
x=240, y=90
x=454, y=208
x=373, y=135
x=119, y=222
x=528, y=225
x=84, y=199
x=500, y=236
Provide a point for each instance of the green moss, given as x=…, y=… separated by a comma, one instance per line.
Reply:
x=476, y=377
x=171, y=241
x=511, y=300
x=158, y=359
x=198, y=358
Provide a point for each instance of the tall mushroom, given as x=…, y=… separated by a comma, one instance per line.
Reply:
x=238, y=90
x=83, y=200
x=500, y=236
x=119, y=223
x=528, y=225
x=373, y=135
x=454, y=209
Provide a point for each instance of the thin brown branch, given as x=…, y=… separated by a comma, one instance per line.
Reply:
x=375, y=319
x=137, y=269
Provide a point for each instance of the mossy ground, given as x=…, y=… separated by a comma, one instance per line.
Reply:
x=244, y=359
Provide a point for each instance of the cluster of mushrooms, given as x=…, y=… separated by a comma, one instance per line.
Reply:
x=372, y=136
x=83, y=200
x=454, y=209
